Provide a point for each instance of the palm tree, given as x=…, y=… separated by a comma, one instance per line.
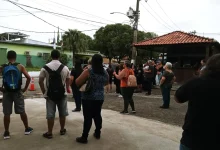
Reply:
x=74, y=41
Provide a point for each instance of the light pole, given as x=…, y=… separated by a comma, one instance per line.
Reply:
x=133, y=16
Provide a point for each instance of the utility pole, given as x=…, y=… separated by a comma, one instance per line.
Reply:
x=135, y=27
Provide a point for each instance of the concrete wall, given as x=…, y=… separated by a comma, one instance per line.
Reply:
x=37, y=61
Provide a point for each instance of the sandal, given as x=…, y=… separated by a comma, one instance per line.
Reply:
x=47, y=135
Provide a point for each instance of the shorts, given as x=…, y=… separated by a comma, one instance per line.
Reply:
x=61, y=105
x=13, y=97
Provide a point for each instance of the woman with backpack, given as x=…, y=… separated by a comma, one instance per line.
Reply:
x=127, y=91
x=93, y=96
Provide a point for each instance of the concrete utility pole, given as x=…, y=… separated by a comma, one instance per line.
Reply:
x=135, y=27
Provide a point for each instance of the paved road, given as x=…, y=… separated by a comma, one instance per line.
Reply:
x=120, y=132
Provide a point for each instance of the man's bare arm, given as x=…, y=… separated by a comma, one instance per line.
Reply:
x=24, y=71
x=41, y=83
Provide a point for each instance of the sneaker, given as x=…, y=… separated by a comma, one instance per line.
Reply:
x=47, y=135
x=133, y=111
x=97, y=136
x=120, y=96
x=76, y=110
x=6, y=135
x=63, y=132
x=82, y=140
x=124, y=112
x=28, y=131
x=164, y=107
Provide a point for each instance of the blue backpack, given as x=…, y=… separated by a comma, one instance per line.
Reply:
x=12, y=77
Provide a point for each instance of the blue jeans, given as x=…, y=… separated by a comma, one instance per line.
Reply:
x=183, y=147
x=166, y=96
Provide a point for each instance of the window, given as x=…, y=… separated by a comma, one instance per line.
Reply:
x=46, y=56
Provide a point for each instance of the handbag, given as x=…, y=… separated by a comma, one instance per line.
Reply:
x=88, y=86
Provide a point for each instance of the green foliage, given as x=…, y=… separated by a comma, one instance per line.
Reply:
x=63, y=59
x=33, y=68
x=115, y=41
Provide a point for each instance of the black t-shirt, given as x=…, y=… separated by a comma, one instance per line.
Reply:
x=75, y=73
x=110, y=72
x=202, y=120
x=169, y=77
x=150, y=74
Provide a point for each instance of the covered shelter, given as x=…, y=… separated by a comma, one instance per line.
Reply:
x=184, y=50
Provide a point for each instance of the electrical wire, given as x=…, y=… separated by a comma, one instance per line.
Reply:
x=71, y=8
x=40, y=31
x=167, y=15
x=159, y=16
x=33, y=14
x=75, y=20
x=55, y=13
x=155, y=17
x=22, y=14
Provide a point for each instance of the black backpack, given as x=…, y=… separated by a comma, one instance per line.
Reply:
x=56, y=89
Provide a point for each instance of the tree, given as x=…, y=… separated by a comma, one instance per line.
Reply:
x=74, y=41
x=63, y=59
x=114, y=41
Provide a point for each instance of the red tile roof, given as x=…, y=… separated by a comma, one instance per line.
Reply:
x=176, y=37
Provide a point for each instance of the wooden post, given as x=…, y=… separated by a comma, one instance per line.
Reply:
x=163, y=56
x=207, y=52
x=151, y=54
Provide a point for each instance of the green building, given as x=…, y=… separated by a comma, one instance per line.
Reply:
x=31, y=52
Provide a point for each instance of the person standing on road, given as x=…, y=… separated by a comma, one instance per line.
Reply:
x=12, y=92
x=166, y=83
x=117, y=82
x=110, y=74
x=201, y=127
x=148, y=77
x=127, y=92
x=92, y=100
x=57, y=76
x=75, y=73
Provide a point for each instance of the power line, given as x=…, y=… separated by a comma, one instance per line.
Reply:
x=155, y=17
x=40, y=31
x=159, y=16
x=55, y=13
x=71, y=8
x=67, y=17
x=142, y=27
x=22, y=14
x=167, y=15
x=34, y=14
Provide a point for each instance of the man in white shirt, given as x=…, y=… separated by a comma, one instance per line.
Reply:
x=51, y=103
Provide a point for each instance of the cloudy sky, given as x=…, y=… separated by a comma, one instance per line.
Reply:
x=159, y=16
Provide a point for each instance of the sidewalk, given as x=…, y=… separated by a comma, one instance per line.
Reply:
x=120, y=132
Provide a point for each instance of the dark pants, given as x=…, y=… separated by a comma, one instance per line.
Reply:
x=77, y=97
x=147, y=84
x=127, y=93
x=92, y=110
x=166, y=95
x=118, y=88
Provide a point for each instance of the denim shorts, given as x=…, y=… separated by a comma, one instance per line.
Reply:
x=61, y=105
x=13, y=97
x=183, y=147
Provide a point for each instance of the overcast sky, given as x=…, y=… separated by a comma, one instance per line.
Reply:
x=185, y=15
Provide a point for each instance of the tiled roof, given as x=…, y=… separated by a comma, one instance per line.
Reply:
x=176, y=37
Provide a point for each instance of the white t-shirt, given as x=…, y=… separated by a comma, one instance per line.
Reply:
x=54, y=65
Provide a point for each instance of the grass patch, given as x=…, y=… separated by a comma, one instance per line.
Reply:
x=33, y=69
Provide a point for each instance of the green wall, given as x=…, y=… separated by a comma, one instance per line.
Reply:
x=33, y=51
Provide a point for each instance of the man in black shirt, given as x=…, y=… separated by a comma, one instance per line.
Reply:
x=202, y=123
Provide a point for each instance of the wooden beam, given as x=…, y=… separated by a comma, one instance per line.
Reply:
x=207, y=51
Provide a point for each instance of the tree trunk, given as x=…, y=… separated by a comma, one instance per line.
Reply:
x=110, y=60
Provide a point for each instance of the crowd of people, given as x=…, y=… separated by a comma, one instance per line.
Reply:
x=201, y=126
